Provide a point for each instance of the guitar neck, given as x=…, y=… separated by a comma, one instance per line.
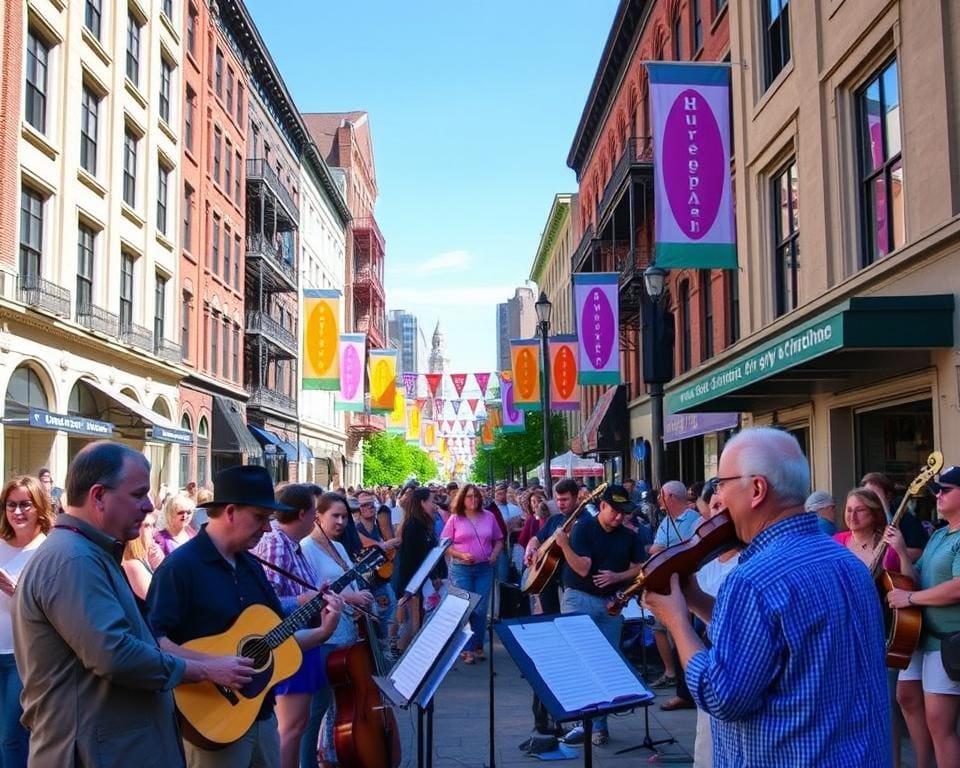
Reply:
x=877, y=565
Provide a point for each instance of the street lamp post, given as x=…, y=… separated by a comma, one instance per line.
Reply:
x=544, y=307
x=657, y=360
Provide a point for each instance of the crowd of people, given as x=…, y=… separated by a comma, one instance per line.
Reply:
x=778, y=642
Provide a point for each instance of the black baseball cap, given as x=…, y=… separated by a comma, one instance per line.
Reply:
x=618, y=498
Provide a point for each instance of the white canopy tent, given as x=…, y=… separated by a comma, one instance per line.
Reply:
x=570, y=465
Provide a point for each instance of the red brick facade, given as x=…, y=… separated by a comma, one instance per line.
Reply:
x=11, y=88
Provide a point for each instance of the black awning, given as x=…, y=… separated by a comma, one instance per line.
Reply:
x=230, y=434
x=608, y=428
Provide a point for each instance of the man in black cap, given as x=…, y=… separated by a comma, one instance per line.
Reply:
x=599, y=555
x=204, y=585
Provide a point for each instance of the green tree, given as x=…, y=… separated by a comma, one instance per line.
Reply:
x=519, y=450
x=388, y=460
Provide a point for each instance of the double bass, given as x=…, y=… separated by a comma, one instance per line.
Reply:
x=365, y=733
x=904, y=625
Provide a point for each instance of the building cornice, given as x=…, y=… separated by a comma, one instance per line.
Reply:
x=559, y=214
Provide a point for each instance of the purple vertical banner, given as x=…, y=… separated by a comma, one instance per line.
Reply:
x=693, y=192
x=353, y=353
x=410, y=385
x=513, y=418
x=596, y=298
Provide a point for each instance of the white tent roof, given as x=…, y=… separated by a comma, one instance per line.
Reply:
x=570, y=465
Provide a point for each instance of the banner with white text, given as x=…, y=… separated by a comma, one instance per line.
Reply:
x=596, y=298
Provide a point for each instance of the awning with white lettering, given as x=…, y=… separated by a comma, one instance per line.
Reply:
x=849, y=346
x=127, y=414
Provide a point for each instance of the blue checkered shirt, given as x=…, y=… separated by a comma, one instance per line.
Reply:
x=796, y=674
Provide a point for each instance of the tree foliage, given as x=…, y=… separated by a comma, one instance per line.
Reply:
x=519, y=450
x=388, y=460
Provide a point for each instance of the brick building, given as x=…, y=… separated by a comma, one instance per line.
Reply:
x=11, y=94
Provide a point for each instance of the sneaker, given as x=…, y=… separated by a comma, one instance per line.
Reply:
x=600, y=738
x=665, y=681
x=574, y=736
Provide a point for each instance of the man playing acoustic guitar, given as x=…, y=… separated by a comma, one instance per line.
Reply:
x=205, y=584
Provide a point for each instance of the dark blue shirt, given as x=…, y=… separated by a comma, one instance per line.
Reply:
x=612, y=550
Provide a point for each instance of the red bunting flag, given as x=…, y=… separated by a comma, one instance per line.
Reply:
x=473, y=406
x=433, y=382
x=459, y=380
x=482, y=380
x=421, y=401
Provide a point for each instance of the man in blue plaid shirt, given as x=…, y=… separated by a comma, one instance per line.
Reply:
x=796, y=674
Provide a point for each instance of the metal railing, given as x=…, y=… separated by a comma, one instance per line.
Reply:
x=95, y=318
x=34, y=291
x=264, y=397
x=136, y=335
x=260, y=246
x=369, y=222
x=370, y=324
x=262, y=323
x=167, y=350
x=638, y=151
x=260, y=170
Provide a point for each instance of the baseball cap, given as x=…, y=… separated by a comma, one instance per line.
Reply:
x=818, y=500
x=618, y=498
x=949, y=476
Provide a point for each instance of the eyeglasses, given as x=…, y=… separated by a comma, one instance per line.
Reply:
x=23, y=506
x=717, y=482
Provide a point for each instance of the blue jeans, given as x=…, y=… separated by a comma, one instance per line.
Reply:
x=477, y=578
x=14, y=738
x=575, y=601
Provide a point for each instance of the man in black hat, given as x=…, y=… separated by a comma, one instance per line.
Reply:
x=204, y=585
x=599, y=555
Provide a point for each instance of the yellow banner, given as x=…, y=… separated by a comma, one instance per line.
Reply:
x=525, y=359
x=321, y=339
x=413, y=424
x=383, y=380
x=429, y=434
x=397, y=420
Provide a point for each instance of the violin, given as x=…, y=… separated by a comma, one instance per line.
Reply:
x=713, y=537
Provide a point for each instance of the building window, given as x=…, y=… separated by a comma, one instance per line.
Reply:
x=236, y=353
x=160, y=310
x=236, y=177
x=166, y=77
x=35, y=90
x=786, y=235
x=187, y=217
x=188, y=119
x=130, y=143
x=92, y=16
x=126, y=291
x=227, y=178
x=239, y=104
x=203, y=451
x=686, y=328
x=229, y=100
x=776, y=38
x=185, y=326
x=133, y=49
x=706, y=291
x=163, y=182
x=218, y=74
x=215, y=247
x=881, y=167
x=225, y=368
x=192, y=31
x=31, y=232
x=214, y=338
x=677, y=38
x=697, y=20
x=733, y=302
x=217, y=142
x=236, y=263
x=86, y=241
x=227, y=244
x=89, y=119
x=168, y=9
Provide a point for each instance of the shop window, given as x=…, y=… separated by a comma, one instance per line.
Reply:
x=776, y=37
x=24, y=391
x=786, y=236
x=82, y=401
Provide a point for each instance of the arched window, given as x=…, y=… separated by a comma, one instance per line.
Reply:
x=186, y=453
x=24, y=391
x=203, y=452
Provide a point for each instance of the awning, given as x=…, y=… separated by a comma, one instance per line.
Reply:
x=681, y=426
x=847, y=347
x=230, y=433
x=607, y=428
x=272, y=443
x=305, y=453
x=126, y=413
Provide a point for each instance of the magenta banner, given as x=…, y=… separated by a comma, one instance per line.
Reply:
x=410, y=385
x=693, y=193
x=596, y=300
x=513, y=418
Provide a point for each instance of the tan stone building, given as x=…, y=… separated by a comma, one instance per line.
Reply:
x=846, y=155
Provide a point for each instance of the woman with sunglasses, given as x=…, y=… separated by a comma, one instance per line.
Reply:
x=173, y=527
x=27, y=518
x=477, y=542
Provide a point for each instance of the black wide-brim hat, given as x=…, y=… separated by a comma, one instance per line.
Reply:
x=249, y=485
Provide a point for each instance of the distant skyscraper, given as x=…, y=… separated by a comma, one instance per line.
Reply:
x=516, y=319
x=406, y=335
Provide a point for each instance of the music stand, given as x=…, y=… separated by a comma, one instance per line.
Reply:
x=421, y=669
x=578, y=674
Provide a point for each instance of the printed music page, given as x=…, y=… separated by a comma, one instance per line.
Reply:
x=578, y=664
x=428, y=645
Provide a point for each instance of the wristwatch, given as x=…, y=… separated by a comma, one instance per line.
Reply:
x=909, y=598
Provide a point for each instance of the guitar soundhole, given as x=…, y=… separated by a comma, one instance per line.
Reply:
x=255, y=648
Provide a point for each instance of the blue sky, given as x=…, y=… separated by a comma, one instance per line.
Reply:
x=473, y=108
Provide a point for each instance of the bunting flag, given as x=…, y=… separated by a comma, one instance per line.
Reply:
x=473, y=405
x=525, y=360
x=482, y=380
x=383, y=379
x=410, y=385
x=597, y=306
x=448, y=426
x=353, y=352
x=513, y=419
x=463, y=424
x=420, y=402
x=693, y=193
x=321, y=331
x=459, y=380
x=456, y=406
x=413, y=424
x=438, y=406
x=564, y=390
x=397, y=420
x=433, y=382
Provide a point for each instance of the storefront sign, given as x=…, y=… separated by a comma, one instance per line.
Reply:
x=168, y=435
x=596, y=298
x=680, y=426
x=78, y=425
x=812, y=340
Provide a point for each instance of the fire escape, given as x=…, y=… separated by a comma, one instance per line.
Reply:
x=270, y=337
x=369, y=306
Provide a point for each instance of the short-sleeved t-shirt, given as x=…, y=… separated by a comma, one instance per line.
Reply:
x=548, y=528
x=478, y=537
x=939, y=562
x=676, y=531
x=608, y=551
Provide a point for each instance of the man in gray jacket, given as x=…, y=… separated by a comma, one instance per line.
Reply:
x=96, y=686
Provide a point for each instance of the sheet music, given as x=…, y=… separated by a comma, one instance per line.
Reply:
x=575, y=659
x=429, y=644
x=459, y=643
x=432, y=558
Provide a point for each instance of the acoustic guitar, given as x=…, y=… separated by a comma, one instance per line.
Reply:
x=904, y=625
x=549, y=555
x=213, y=716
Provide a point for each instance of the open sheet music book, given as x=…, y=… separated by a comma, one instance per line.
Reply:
x=429, y=562
x=582, y=671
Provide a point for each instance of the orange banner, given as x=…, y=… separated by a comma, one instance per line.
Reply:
x=525, y=359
